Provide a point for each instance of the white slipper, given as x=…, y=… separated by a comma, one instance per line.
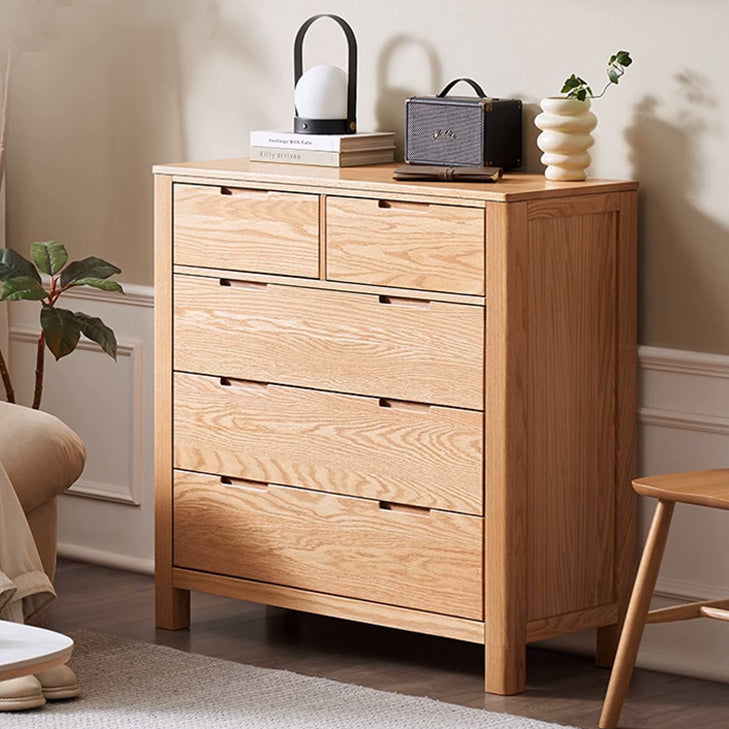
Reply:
x=58, y=683
x=21, y=693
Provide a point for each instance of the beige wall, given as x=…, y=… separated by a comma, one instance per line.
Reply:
x=105, y=88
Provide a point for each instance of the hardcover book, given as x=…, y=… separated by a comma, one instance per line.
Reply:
x=323, y=157
x=322, y=142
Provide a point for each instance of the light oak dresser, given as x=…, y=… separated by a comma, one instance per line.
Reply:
x=409, y=404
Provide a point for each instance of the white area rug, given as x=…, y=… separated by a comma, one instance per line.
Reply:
x=128, y=684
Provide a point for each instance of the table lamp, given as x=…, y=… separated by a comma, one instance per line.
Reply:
x=325, y=97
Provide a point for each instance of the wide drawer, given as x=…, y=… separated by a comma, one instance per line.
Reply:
x=246, y=229
x=359, y=548
x=383, y=449
x=407, y=349
x=409, y=245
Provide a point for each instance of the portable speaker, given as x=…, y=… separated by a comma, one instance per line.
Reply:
x=463, y=131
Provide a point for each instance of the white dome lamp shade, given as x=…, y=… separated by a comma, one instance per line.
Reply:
x=325, y=96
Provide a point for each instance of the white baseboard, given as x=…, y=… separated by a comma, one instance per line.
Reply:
x=93, y=555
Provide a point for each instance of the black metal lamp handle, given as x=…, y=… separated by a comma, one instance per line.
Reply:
x=352, y=63
x=469, y=81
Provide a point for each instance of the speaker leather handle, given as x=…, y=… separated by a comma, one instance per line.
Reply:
x=469, y=81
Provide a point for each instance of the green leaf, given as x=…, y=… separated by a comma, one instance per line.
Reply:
x=95, y=329
x=613, y=75
x=623, y=58
x=99, y=283
x=49, y=256
x=91, y=267
x=61, y=329
x=22, y=287
x=582, y=94
x=12, y=265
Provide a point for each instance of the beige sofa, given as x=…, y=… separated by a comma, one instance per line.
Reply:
x=42, y=457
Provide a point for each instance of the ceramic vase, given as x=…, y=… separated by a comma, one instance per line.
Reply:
x=566, y=125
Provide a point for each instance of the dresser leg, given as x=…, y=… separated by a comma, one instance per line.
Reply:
x=172, y=608
x=505, y=665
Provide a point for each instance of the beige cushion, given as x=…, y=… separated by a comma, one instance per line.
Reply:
x=41, y=455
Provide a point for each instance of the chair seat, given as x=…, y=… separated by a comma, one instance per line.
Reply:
x=701, y=488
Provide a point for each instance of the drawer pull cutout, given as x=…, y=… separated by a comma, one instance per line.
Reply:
x=242, y=483
x=404, y=508
x=243, y=284
x=420, y=407
x=402, y=301
x=397, y=205
x=242, y=384
x=242, y=191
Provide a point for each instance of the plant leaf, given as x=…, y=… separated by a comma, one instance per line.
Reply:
x=95, y=329
x=22, y=287
x=99, y=283
x=49, y=256
x=12, y=265
x=61, y=329
x=91, y=267
x=613, y=75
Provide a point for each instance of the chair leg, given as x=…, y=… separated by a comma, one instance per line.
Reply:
x=635, y=618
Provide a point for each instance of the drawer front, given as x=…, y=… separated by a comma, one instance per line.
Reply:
x=246, y=230
x=410, y=245
x=359, y=548
x=383, y=449
x=426, y=351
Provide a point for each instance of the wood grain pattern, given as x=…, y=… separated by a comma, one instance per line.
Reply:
x=423, y=455
x=626, y=420
x=412, y=245
x=429, y=352
x=336, y=606
x=571, y=294
x=428, y=560
x=514, y=187
x=505, y=497
x=219, y=272
x=702, y=488
x=248, y=229
x=172, y=605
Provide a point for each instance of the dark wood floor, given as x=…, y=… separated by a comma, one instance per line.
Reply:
x=561, y=688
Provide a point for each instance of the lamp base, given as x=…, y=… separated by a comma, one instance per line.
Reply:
x=323, y=126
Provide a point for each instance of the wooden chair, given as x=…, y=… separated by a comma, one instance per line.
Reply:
x=702, y=488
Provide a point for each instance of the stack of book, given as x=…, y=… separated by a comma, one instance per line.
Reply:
x=330, y=150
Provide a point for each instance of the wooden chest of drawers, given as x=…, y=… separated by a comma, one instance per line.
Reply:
x=411, y=404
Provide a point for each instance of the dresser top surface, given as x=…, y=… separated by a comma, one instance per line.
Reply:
x=513, y=187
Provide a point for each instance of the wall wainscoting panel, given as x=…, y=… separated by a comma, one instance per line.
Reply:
x=108, y=513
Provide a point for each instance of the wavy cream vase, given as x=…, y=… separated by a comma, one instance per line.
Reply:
x=566, y=125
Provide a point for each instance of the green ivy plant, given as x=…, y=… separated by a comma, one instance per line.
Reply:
x=61, y=329
x=576, y=87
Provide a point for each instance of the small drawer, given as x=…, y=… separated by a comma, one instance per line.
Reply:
x=246, y=230
x=407, y=349
x=362, y=446
x=358, y=548
x=404, y=244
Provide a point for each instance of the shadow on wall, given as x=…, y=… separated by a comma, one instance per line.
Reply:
x=390, y=103
x=99, y=95
x=684, y=254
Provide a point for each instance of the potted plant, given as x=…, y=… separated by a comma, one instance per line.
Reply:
x=566, y=123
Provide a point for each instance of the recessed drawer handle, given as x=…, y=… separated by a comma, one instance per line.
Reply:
x=399, y=205
x=242, y=191
x=243, y=284
x=404, y=508
x=385, y=402
x=243, y=483
x=243, y=384
x=403, y=301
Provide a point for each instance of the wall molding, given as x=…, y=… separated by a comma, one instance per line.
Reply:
x=115, y=560
x=684, y=421
x=682, y=361
x=134, y=295
x=123, y=493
